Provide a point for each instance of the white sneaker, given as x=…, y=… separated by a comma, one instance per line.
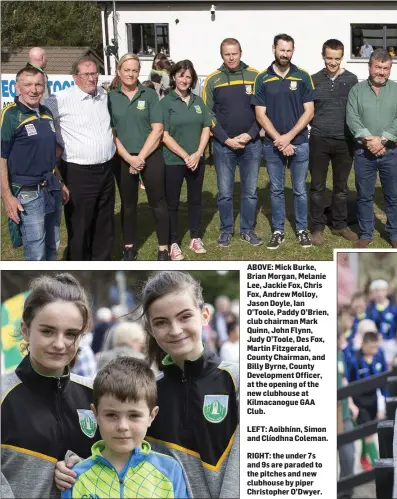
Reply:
x=176, y=253
x=197, y=246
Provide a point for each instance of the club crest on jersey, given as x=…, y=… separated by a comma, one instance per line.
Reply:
x=87, y=422
x=293, y=85
x=389, y=316
x=52, y=126
x=141, y=105
x=30, y=129
x=198, y=109
x=378, y=366
x=248, y=89
x=215, y=407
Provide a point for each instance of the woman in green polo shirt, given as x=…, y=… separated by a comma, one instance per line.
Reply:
x=187, y=123
x=137, y=126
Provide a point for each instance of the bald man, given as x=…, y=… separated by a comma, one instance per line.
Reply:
x=38, y=59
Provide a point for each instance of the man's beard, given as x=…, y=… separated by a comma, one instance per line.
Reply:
x=282, y=62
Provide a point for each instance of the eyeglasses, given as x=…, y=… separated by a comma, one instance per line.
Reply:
x=85, y=76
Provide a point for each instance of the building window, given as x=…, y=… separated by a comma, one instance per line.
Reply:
x=148, y=39
x=368, y=37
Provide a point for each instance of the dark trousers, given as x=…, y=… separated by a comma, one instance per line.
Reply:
x=89, y=214
x=153, y=179
x=324, y=150
x=174, y=175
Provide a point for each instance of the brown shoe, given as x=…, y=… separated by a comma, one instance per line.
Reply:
x=346, y=233
x=393, y=243
x=317, y=238
x=363, y=243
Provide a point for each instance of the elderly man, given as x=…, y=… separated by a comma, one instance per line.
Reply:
x=372, y=119
x=38, y=59
x=31, y=193
x=82, y=124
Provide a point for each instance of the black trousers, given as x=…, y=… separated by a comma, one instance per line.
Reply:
x=174, y=176
x=89, y=214
x=153, y=179
x=324, y=150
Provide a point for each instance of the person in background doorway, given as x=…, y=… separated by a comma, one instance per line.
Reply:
x=366, y=49
x=160, y=74
x=330, y=142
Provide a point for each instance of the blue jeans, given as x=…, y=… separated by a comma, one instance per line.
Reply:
x=225, y=160
x=366, y=166
x=40, y=232
x=298, y=163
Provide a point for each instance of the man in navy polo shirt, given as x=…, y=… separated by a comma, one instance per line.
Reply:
x=31, y=193
x=284, y=105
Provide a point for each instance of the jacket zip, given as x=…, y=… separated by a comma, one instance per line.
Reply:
x=185, y=407
x=121, y=481
x=58, y=407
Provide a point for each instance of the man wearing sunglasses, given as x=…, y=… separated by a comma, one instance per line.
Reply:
x=86, y=146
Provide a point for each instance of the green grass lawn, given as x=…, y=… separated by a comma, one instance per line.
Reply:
x=238, y=250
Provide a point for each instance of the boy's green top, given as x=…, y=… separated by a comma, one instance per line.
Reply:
x=146, y=474
x=184, y=122
x=133, y=118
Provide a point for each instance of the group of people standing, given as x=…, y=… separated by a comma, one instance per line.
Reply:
x=162, y=142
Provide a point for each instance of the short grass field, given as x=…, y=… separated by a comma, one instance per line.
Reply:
x=238, y=249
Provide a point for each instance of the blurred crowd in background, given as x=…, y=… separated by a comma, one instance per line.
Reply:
x=367, y=346
x=115, y=335
x=118, y=329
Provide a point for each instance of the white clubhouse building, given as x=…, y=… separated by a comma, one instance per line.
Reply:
x=194, y=29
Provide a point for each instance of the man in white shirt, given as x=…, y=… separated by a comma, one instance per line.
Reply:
x=84, y=135
x=366, y=49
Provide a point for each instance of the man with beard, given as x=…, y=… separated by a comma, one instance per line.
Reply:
x=284, y=105
x=372, y=119
x=330, y=141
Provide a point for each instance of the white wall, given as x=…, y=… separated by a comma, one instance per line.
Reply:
x=197, y=36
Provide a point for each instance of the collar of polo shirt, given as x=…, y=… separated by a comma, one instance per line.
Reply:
x=370, y=83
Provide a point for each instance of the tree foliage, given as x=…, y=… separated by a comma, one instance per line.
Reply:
x=38, y=23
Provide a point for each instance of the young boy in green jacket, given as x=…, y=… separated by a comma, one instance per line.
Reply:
x=123, y=464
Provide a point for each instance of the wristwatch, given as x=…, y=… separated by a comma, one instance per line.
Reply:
x=384, y=140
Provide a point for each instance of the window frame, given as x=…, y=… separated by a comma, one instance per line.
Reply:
x=147, y=57
x=383, y=26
